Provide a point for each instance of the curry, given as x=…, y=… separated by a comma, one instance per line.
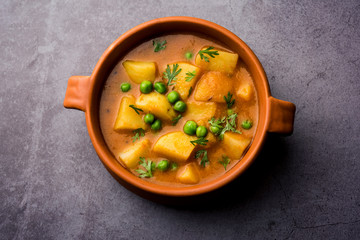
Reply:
x=179, y=110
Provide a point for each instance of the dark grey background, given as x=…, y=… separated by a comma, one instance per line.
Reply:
x=306, y=186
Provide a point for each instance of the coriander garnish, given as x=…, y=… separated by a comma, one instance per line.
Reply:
x=190, y=76
x=204, y=158
x=200, y=141
x=230, y=125
x=148, y=167
x=218, y=128
x=138, y=133
x=158, y=46
x=225, y=161
x=176, y=119
x=228, y=100
x=190, y=90
x=171, y=76
x=136, y=109
x=216, y=125
x=208, y=52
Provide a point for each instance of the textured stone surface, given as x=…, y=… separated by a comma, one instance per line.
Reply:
x=53, y=185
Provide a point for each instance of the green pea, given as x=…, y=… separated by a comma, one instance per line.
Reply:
x=173, y=97
x=173, y=166
x=156, y=125
x=215, y=130
x=201, y=131
x=247, y=124
x=180, y=106
x=146, y=86
x=125, y=87
x=188, y=55
x=163, y=165
x=190, y=127
x=149, y=118
x=153, y=166
x=160, y=87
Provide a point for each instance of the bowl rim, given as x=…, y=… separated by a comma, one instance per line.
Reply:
x=127, y=176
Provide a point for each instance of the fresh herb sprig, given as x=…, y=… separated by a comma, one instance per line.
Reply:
x=201, y=141
x=147, y=165
x=228, y=100
x=217, y=122
x=209, y=51
x=171, y=75
x=190, y=91
x=136, y=109
x=138, y=133
x=204, y=157
x=176, y=119
x=190, y=76
x=158, y=45
x=225, y=161
x=224, y=124
x=230, y=125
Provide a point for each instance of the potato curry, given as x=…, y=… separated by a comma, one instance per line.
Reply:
x=179, y=109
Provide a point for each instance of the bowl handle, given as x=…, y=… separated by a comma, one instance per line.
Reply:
x=77, y=92
x=282, y=116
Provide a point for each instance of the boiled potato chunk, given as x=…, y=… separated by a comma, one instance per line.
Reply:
x=224, y=62
x=188, y=174
x=157, y=104
x=182, y=86
x=235, y=144
x=140, y=71
x=127, y=118
x=200, y=110
x=175, y=145
x=245, y=92
x=131, y=156
x=243, y=75
x=213, y=86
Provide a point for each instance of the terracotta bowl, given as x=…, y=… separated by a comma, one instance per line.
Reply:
x=83, y=93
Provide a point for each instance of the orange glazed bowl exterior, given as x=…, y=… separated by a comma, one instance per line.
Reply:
x=84, y=92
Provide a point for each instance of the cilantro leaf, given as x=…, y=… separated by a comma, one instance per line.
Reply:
x=190, y=76
x=204, y=157
x=228, y=100
x=224, y=124
x=158, y=46
x=208, y=51
x=138, y=133
x=176, y=119
x=171, y=75
x=136, y=109
x=217, y=122
x=190, y=90
x=147, y=165
x=230, y=125
x=225, y=161
x=200, y=141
